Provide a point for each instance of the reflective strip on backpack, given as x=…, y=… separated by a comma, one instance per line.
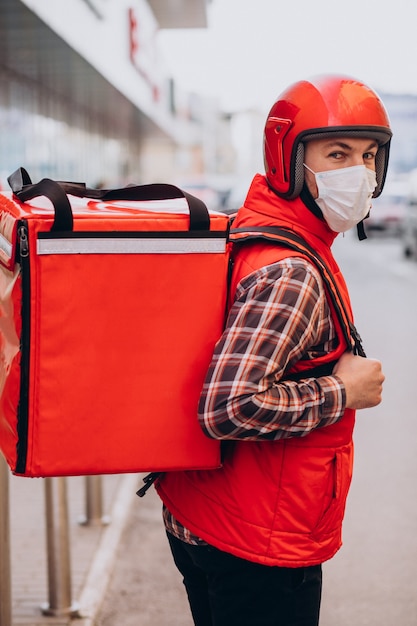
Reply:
x=131, y=245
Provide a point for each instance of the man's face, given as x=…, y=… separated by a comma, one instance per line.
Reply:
x=331, y=154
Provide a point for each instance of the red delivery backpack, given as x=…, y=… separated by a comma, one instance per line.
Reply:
x=111, y=303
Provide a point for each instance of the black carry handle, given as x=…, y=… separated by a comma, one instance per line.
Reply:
x=22, y=187
x=57, y=191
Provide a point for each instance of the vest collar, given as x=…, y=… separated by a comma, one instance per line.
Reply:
x=263, y=207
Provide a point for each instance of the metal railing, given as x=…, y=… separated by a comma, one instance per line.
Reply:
x=94, y=503
x=58, y=547
x=5, y=566
x=58, y=550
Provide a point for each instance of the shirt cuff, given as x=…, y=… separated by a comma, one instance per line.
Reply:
x=334, y=398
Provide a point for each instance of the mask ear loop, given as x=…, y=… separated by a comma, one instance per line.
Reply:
x=309, y=169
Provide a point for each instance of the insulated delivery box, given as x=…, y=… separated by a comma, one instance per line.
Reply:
x=111, y=302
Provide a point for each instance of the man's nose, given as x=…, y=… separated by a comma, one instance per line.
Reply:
x=358, y=159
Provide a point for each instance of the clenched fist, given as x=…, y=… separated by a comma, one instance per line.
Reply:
x=362, y=379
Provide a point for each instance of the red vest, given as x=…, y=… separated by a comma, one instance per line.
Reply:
x=281, y=502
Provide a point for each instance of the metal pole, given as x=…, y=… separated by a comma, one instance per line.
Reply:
x=5, y=567
x=94, y=502
x=58, y=550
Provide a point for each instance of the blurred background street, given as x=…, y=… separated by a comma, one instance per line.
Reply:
x=112, y=92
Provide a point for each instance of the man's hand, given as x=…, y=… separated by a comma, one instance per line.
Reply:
x=362, y=379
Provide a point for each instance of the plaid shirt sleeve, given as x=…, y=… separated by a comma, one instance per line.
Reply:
x=280, y=315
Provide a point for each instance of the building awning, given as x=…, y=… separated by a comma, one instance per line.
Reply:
x=180, y=13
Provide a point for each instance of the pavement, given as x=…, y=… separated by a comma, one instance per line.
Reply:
x=92, y=540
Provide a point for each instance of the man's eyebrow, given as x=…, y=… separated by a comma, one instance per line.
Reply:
x=341, y=144
x=373, y=144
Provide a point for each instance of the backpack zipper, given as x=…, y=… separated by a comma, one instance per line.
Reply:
x=23, y=408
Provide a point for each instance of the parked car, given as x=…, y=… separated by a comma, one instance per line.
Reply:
x=204, y=192
x=237, y=196
x=410, y=231
x=410, y=223
x=388, y=212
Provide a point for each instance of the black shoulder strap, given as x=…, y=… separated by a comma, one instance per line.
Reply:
x=289, y=239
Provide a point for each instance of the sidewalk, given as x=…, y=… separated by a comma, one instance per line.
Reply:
x=92, y=547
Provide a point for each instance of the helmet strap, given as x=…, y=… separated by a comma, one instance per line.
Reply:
x=361, y=231
x=310, y=203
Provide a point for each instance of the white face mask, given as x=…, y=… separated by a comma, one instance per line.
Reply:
x=345, y=195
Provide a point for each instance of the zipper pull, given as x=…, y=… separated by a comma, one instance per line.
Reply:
x=148, y=480
x=23, y=242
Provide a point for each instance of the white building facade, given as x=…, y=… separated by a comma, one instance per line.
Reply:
x=84, y=95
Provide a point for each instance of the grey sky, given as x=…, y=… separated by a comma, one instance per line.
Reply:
x=255, y=48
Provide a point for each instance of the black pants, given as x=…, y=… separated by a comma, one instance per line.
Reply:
x=224, y=590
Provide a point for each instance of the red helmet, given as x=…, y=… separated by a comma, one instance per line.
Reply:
x=322, y=107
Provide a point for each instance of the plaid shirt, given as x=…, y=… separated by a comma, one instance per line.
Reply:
x=280, y=315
